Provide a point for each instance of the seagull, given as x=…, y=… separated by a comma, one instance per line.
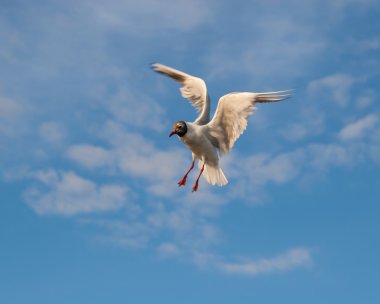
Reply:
x=207, y=139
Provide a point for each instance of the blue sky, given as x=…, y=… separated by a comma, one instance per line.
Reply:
x=90, y=209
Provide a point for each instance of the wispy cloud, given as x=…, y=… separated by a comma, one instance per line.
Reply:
x=10, y=114
x=66, y=193
x=8, y=108
x=147, y=16
x=256, y=173
x=90, y=156
x=311, y=122
x=365, y=101
x=132, y=154
x=334, y=88
x=359, y=128
x=52, y=132
x=11, y=39
x=136, y=109
x=180, y=224
x=259, y=60
x=293, y=258
x=120, y=232
x=168, y=250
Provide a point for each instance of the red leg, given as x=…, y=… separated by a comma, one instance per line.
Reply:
x=182, y=182
x=195, y=188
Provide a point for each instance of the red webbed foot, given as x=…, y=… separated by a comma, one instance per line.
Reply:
x=195, y=187
x=182, y=182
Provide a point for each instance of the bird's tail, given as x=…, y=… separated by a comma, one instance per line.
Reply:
x=214, y=175
x=273, y=96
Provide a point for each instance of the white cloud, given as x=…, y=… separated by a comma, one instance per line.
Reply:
x=250, y=176
x=262, y=60
x=366, y=99
x=121, y=233
x=168, y=250
x=52, y=132
x=322, y=156
x=256, y=171
x=332, y=88
x=190, y=239
x=134, y=155
x=375, y=153
x=359, y=4
x=89, y=156
x=279, y=46
x=364, y=102
x=136, y=109
x=20, y=172
x=177, y=221
x=137, y=156
x=311, y=122
x=10, y=115
x=8, y=108
x=295, y=131
x=359, y=128
x=149, y=16
x=10, y=37
x=293, y=258
x=370, y=44
x=66, y=193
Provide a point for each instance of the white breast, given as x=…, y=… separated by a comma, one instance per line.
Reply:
x=196, y=140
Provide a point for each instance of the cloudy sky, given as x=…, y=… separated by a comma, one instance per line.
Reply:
x=90, y=210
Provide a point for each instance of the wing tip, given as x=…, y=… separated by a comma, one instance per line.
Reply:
x=155, y=66
x=170, y=72
x=274, y=96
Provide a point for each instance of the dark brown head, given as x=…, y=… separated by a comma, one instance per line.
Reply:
x=179, y=128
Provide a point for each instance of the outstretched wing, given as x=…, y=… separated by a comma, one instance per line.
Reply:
x=193, y=89
x=230, y=119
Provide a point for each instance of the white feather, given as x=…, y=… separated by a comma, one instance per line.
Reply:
x=213, y=174
x=193, y=89
x=230, y=118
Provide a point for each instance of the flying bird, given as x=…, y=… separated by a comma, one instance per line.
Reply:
x=209, y=139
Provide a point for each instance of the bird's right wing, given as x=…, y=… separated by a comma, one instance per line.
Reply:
x=230, y=119
x=193, y=89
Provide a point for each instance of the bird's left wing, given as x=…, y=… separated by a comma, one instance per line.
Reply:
x=230, y=118
x=193, y=89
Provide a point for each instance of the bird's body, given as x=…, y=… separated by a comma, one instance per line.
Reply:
x=208, y=139
x=199, y=142
x=195, y=139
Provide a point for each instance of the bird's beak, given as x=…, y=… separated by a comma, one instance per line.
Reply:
x=172, y=133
